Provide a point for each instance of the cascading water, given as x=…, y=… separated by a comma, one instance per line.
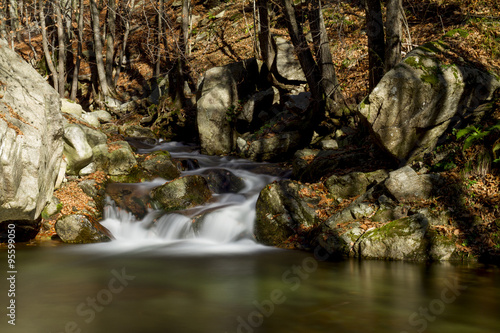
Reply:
x=227, y=221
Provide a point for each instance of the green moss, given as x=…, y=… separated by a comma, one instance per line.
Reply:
x=432, y=79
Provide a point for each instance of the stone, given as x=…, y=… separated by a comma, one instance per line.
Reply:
x=220, y=91
x=182, y=193
x=71, y=107
x=281, y=212
x=406, y=239
x=223, y=181
x=77, y=150
x=103, y=116
x=287, y=64
x=275, y=148
x=91, y=119
x=136, y=131
x=420, y=98
x=160, y=164
x=31, y=131
x=78, y=229
x=405, y=184
x=121, y=159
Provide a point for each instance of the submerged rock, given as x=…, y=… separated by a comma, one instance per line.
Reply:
x=223, y=181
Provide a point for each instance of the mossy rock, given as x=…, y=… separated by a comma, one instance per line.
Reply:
x=182, y=193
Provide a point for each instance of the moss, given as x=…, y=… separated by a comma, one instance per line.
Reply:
x=430, y=78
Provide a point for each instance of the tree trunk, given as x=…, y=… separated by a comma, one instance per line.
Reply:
x=265, y=39
x=3, y=19
x=46, y=51
x=110, y=42
x=376, y=42
x=76, y=71
x=393, y=34
x=304, y=54
x=160, y=39
x=98, y=49
x=125, y=17
x=14, y=19
x=186, y=13
x=61, y=39
x=329, y=82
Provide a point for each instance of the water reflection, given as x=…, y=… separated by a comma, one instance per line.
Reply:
x=263, y=291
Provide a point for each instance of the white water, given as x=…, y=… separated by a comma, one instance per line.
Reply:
x=227, y=223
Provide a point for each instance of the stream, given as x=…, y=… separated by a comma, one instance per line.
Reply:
x=162, y=275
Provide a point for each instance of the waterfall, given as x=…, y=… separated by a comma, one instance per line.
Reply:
x=227, y=221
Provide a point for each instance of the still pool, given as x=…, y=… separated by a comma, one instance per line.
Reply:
x=179, y=287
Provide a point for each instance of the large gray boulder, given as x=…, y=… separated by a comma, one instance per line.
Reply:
x=77, y=150
x=409, y=238
x=415, y=103
x=219, y=94
x=31, y=131
x=287, y=64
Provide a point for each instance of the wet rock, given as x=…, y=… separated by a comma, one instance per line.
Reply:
x=121, y=159
x=281, y=212
x=182, y=193
x=26, y=230
x=79, y=229
x=136, y=131
x=131, y=197
x=406, y=239
x=160, y=164
x=223, y=181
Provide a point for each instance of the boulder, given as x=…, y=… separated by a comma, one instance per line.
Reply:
x=417, y=101
x=405, y=184
x=103, y=116
x=276, y=147
x=71, y=107
x=131, y=198
x=182, y=193
x=223, y=181
x=220, y=91
x=354, y=183
x=77, y=150
x=31, y=131
x=160, y=164
x=79, y=229
x=136, y=131
x=409, y=238
x=281, y=212
x=248, y=119
x=286, y=62
x=121, y=159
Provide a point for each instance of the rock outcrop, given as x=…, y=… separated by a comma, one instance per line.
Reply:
x=31, y=131
x=218, y=97
x=417, y=101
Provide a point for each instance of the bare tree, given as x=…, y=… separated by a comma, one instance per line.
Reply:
x=46, y=50
x=110, y=42
x=79, y=48
x=393, y=29
x=61, y=38
x=98, y=49
x=376, y=41
x=328, y=79
x=265, y=40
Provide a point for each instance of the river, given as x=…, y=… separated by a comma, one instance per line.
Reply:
x=163, y=276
